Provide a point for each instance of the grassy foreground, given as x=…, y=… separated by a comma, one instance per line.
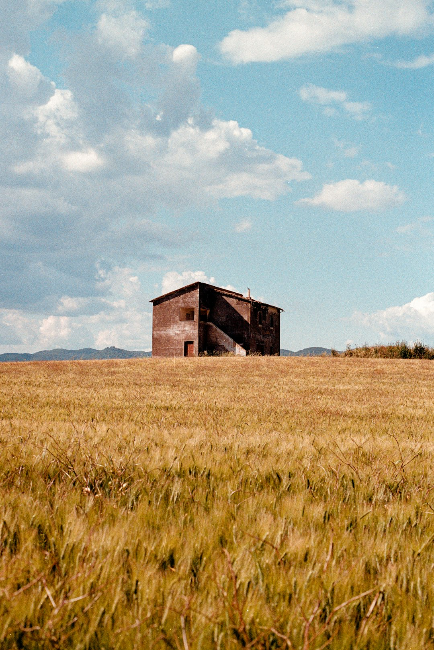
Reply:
x=217, y=503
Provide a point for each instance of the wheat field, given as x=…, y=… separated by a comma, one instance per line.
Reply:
x=222, y=503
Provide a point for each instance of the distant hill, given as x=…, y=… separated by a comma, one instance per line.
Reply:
x=306, y=352
x=117, y=353
x=70, y=355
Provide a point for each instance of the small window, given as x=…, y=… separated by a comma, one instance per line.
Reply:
x=186, y=313
x=260, y=317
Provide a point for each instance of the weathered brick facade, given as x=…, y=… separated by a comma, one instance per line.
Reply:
x=202, y=319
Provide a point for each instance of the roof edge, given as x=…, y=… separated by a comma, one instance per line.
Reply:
x=196, y=284
x=228, y=292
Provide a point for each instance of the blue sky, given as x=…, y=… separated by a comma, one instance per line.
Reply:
x=286, y=146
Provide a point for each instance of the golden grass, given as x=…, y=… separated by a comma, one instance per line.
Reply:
x=217, y=503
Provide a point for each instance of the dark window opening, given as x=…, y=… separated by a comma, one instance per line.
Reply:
x=203, y=315
x=186, y=313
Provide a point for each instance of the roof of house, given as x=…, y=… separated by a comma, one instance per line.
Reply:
x=227, y=292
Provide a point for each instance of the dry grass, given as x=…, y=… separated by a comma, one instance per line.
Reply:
x=217, y=503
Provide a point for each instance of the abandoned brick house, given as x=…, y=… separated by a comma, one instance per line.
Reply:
x=202, y=319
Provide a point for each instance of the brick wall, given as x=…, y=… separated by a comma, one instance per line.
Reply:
x=169, y=332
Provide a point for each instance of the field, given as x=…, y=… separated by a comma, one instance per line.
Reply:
x=219, y=503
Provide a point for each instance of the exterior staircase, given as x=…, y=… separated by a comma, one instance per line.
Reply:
x=222, y=342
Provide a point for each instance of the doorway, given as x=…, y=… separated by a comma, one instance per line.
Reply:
x=188, y=348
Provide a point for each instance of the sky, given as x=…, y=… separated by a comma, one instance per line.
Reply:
x=286, y=146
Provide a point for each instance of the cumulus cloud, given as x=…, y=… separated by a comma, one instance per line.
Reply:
x=82, y=161
x=122, y=34
x=411, y=321
x=186, y=55
x=23, y=74
x=86, y=169
x=18, y=19
x=334, y=101
x=173, y=280
x=315, y=27
x=352, y=196
x=118, y=315
x=54, y=329
x=121, y=318
x=16, y=328
x=57, y=117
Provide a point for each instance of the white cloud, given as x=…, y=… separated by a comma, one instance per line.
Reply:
x=54, y=329
x=419, y=62
x=334, y=99
x=244, y=225
x=201, y=164
x=86, y=170
x=18, y=19
x=318, y=95
x=122, y=318
x=130, y=165
x=352, y=195
x=23, y=74
x=70, y=305
x=179, y=157
x=122, y=34
x=58, y=116
x=173, y=280
x=417, y=227
x=357, y=109
x=314, y=27
x=186, y=55
x=349, y=150
x=16, y=327
x=368, y=166
x=82, y=161
x=411, y=321
x=121, y=282
x=32, y=201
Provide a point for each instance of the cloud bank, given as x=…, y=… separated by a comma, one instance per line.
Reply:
x=86, y=169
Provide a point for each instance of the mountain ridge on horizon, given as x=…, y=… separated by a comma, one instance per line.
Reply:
x=83, y=354
x=112, y=352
